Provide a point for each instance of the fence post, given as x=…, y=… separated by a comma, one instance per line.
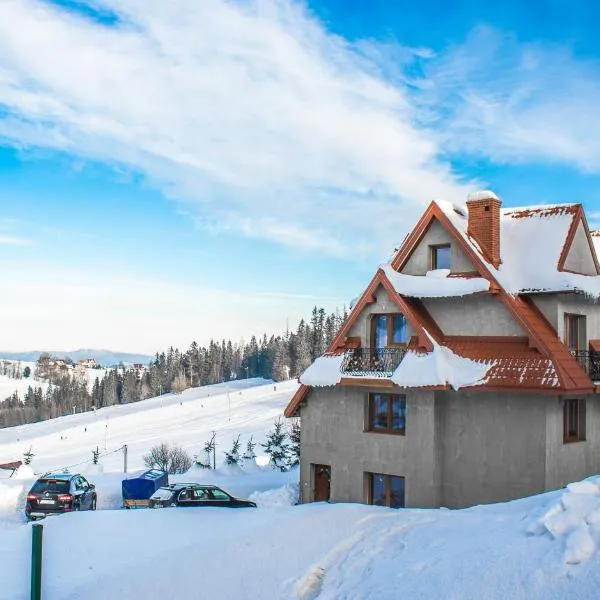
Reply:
x=37, y=530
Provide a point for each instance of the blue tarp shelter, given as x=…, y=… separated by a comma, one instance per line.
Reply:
x=137, y=490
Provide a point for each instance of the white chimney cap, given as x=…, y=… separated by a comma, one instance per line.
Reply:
x=482, y=195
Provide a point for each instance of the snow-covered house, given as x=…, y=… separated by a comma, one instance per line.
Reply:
x=466, y=372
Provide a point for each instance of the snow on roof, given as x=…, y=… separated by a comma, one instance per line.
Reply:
x=440, y=367
x=416, y=369
x=325, y=371
x=482, y=195
x=595, y=235
x=531, y=242
x=436, y=284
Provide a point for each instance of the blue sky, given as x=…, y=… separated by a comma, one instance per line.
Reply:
x=164, y=179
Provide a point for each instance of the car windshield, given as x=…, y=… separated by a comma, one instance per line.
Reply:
x=50, y=485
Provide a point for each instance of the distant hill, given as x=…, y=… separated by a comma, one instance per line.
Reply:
x=106, y=358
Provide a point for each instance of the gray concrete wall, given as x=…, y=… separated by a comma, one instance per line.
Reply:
x=579, y=259
x=554, y=307
x=473, y=315
x=362, y=325
x=493, y=446
x=419, y=261
x=460, y=449
x=571, y=462
x=333, y=433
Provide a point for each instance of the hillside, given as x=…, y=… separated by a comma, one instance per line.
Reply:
x=539, y=548
x=106, y=358
x=8, y=386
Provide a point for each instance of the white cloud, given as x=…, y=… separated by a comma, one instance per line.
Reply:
x=499, y=98
x=250, y=112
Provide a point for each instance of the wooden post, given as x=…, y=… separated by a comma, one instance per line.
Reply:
x=37, y=530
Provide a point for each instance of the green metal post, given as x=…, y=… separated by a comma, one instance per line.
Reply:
x=37, y=530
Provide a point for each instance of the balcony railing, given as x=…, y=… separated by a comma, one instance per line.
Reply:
x=372, y=362
x=590, y=362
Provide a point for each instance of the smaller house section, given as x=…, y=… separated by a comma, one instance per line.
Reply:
x=468, y=370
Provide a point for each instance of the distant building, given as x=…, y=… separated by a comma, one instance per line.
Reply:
x=87, y=363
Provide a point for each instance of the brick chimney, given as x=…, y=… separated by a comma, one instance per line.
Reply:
x=484, y=223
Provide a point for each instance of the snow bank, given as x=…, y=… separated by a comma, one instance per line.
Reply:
x=10, y=494
x=286, y=495
x=325, y=371
x=436, y=284
x=573, y=519
x=94, y=469
x=24, y=472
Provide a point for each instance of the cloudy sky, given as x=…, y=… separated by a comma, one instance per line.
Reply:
x=189, y=169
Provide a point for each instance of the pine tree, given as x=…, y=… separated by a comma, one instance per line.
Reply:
x=209, y=452
x=294, y=451
x=276, y=447
x=249, y=453
x=95, y=455
x=233, y=456
x=28, y=456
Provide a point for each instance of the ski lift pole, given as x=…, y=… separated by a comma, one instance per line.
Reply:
x=37, y=530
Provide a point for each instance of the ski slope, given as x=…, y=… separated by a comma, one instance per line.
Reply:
x=245, y=407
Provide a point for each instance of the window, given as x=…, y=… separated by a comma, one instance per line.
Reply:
x=387, y=413
x=385, y=490
x=220, y=495
x=389, y=330
x=575, y=332
x=574, y=420
x=440, y=257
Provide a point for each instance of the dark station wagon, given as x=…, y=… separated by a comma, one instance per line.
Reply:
x=56, y=493
x=195, y=494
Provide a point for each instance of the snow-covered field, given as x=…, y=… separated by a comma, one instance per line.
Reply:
x=544, y=547
x=8, y=386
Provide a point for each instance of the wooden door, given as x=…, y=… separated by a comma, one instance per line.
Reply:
x=322, y=475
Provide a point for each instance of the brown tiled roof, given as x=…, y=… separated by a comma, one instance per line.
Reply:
x=515, y=363
x=572, y=377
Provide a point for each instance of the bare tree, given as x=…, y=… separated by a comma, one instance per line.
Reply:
x=172, y=459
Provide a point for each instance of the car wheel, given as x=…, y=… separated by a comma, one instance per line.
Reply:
x=93, y=507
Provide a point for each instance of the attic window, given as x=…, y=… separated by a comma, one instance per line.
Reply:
x=439, y=257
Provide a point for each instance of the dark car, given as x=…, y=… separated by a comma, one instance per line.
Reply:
x=195, y=494
x=56, y=493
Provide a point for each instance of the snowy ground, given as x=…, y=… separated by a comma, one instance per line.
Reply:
x=8, y=386
x=544, y=547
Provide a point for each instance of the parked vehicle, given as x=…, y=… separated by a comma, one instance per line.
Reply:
x=137, y=490
x=195, y=494
x=56, y=493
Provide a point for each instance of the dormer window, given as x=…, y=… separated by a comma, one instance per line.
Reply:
x=389, y=330
x=439, y=257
